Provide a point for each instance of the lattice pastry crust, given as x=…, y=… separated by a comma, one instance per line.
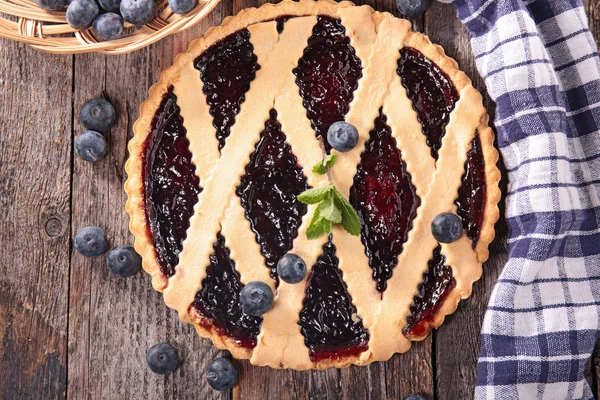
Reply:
x=377, y=38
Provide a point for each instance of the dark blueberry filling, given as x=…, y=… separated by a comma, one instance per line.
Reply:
x=472, y=193
x=171, y=186
x=327, y=75
x=219, y=299
x=432, y=94
x=328, y=320
x=268, y=191
x=226, y=69
x=385, y=199
x=437, y=283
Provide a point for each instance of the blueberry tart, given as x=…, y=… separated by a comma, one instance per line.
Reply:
x=228, y=139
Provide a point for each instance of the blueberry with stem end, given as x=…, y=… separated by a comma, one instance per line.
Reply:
x=182, y=6
x=91, y=241
x=108, y=26
x=221, y=374
x=124, y=261
x=446, y=227
x=342, y=136
x=137, y=12
x=80, y=15
x=91, y=146
x=162, y=358
x=97, y=114
x=291, y=268
x=256, y=298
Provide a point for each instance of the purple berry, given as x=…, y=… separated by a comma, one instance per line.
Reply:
x=81, y=14
x=97, y=114
x=182, y=6
x=446, y=227
x=256, y=298
x=91, y=241
x=108, y=26
x=51, y=5
x=137, y=12
x=162, y=358
x=110, y=5
x=221, y=374
x=91, y=146
x=342, y=136
x=412, y=8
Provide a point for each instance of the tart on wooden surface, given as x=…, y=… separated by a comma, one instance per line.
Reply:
x=227, y=140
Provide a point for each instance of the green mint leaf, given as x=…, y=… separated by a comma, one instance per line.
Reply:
x=328, y=209
x=314, y=196
x=318, y=227
x=321, y=167
x=350, y=220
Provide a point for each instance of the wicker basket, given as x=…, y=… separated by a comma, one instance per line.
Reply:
x=48, y=31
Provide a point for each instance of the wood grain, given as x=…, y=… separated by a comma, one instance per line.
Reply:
x=35, y=171
x=70, y=329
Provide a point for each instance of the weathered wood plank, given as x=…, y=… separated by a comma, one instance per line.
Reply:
x=35, y=169
x=114, y=321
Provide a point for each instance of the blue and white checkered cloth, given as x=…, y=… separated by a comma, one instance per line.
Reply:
x=541, y=67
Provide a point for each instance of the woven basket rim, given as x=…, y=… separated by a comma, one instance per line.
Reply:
x=48, y=31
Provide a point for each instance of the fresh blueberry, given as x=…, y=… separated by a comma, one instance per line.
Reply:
x=81, y=14
x=137, y=12
x=446, y=227
x=51, y=5
x=110, y=5
x=291, y=268
x=91, y=241
x=415, y=397
x=97, y=114
x=108, y=26
x=412, y=8
x=91, y=146
x=227, y=354
x=221, y=374
x=182, y=6
x=342, y=136
x=162, y=358
x=124, y=261
x=256, y=298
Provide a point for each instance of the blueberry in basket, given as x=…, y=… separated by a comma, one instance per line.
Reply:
x=137, y=12
x=81, y=13
x=182, y=6
x=108, y=26
x=51, y=5
x=110, y=5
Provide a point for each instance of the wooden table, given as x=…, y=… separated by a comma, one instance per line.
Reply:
x=70, y=329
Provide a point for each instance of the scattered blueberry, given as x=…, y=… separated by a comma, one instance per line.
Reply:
x=415, y=397
x=256, y=298
x=162, y=358
x=91, y=146
x=110, y=5
x=91, y=241
x=221, y=374
x=108, y=26
x=412, y=8
x=137, y=12
x=81, y=14
x=124, y=261
x=446, y=227
x=291, y=268
x=51, y=5
x=182, y=6
x=97, y=114
x=342, y=136
x=227, y=354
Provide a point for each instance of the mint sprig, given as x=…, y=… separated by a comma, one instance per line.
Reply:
x=332, y=208
x=327, y=162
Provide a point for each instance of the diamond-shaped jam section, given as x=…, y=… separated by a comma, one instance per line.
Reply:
x=331, y=328
x=268, y=191
x=219, y=299
x=327, y=75
x=432, y=94
x=385, y=199
x=171, y=186
x=226, y=69
x=437, y=284
x=472, y=193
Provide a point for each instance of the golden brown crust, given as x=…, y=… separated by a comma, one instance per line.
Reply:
x=368, y=30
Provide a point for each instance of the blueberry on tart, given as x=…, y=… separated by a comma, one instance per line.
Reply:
x=227, y=141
